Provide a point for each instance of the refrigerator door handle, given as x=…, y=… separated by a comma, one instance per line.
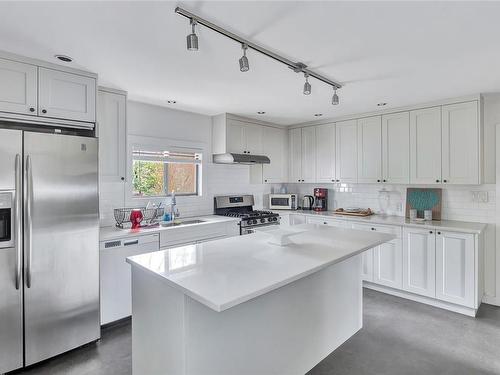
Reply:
x=18, y=224
x=27, y=219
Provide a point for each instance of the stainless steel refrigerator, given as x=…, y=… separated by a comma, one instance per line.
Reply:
x=49, y=236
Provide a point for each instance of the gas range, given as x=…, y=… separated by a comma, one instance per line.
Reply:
x=241, y=206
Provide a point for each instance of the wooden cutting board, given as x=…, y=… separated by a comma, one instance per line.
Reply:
x=367, y=212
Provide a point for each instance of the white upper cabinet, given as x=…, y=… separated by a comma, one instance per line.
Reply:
x=325, y=153
x=346, y=155
x=66, y=96
x=309, y=154
x=425, y=146
x=112, y=133
x=370, y=150
x=253, y=138
x=419, y=261
x=274, y=146
x=455, y=257
x=235, y=133
x=243, y=137
x=18, y=87
x=396, y=148
x=460, y=143
x=295, y=152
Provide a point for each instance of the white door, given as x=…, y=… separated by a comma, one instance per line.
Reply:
x=419, y=261
x=309, y=154
x=112, y=135
x=325, y=153
x=425, y=146
x=235, y=137
x=295, y=159
x=273, y=146
x=253, y=139
x=388, y=264
x=370, y=150
x=66, y=96
x=18, y=87
x=396, y=148
x=346, y=155
x=460, y=142
x=455, y=268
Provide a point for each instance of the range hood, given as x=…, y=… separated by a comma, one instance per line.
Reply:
x=231, y=158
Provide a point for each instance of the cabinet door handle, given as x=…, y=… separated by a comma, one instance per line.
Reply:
x=439, y=232
x=385, y=180
x=445, y=181
x=378, y=180
x=134, y=242
x=122, y=178
x=430, y=232
x=437, y=180
x=265, y=180
x=374, y=229
x=44, y=111
x=32, y=109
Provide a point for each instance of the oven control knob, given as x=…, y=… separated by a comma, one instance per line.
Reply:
x=262, y=220
x=254, y=221
x=275, y=219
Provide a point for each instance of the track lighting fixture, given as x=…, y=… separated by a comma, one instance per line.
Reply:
x=192, y=39
x=307, y=85
x=244, y=66
x=297, y=67
x=335, y=97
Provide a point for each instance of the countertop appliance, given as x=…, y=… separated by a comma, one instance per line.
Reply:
x=320, y=199
x=283, y=202
x=307, y=202
x=241, y=206
x=49, y=243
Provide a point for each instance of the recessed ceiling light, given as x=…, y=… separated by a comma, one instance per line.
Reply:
x=63, y=58
x=171, y=101
x=318, y=114
x=261, y=112
x=381, y=104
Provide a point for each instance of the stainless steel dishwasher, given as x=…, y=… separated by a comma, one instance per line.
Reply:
x=116, y=292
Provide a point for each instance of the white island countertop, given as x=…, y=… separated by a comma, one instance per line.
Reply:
x=225, y=273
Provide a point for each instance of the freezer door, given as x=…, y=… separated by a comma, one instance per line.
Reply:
x=11, y=310
x=61, y=244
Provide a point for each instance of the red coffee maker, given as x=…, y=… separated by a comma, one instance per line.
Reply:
x=320, y=199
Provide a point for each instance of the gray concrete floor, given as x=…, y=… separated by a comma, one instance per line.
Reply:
x=399, y=337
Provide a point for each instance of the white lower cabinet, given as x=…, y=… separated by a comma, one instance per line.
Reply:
x=437, y=267
x=419, y=261
x=455, y=268
x=388, y=264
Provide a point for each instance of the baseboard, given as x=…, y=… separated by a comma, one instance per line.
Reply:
x=118, y=322
x=490, y=300
x=422, y=299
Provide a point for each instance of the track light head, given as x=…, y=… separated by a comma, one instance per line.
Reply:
x=192, y=39
x=307, y=85
x=335, y=97
x=244, y=65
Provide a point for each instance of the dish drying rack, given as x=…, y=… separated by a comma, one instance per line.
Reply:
x=150, y=216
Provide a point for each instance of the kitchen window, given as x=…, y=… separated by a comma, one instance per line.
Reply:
x=158, y=173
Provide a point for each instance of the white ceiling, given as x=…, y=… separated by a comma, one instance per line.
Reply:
x=400, y=53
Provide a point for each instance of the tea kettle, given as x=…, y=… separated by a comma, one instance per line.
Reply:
x=307, y=202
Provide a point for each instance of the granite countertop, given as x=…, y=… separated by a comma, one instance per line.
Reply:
x=450, y=225
x=224, y=273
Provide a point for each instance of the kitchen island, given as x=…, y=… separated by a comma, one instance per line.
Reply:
x=244, y=306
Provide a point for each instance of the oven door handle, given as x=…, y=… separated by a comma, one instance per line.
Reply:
x=17, y=223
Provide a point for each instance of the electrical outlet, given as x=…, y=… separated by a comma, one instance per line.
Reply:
x=479, y=196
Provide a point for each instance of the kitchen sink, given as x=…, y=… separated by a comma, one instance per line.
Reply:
x=183, y=222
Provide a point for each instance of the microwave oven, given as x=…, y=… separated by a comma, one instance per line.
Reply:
x=283, y=201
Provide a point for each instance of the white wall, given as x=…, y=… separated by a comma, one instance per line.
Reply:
x=145, y=120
